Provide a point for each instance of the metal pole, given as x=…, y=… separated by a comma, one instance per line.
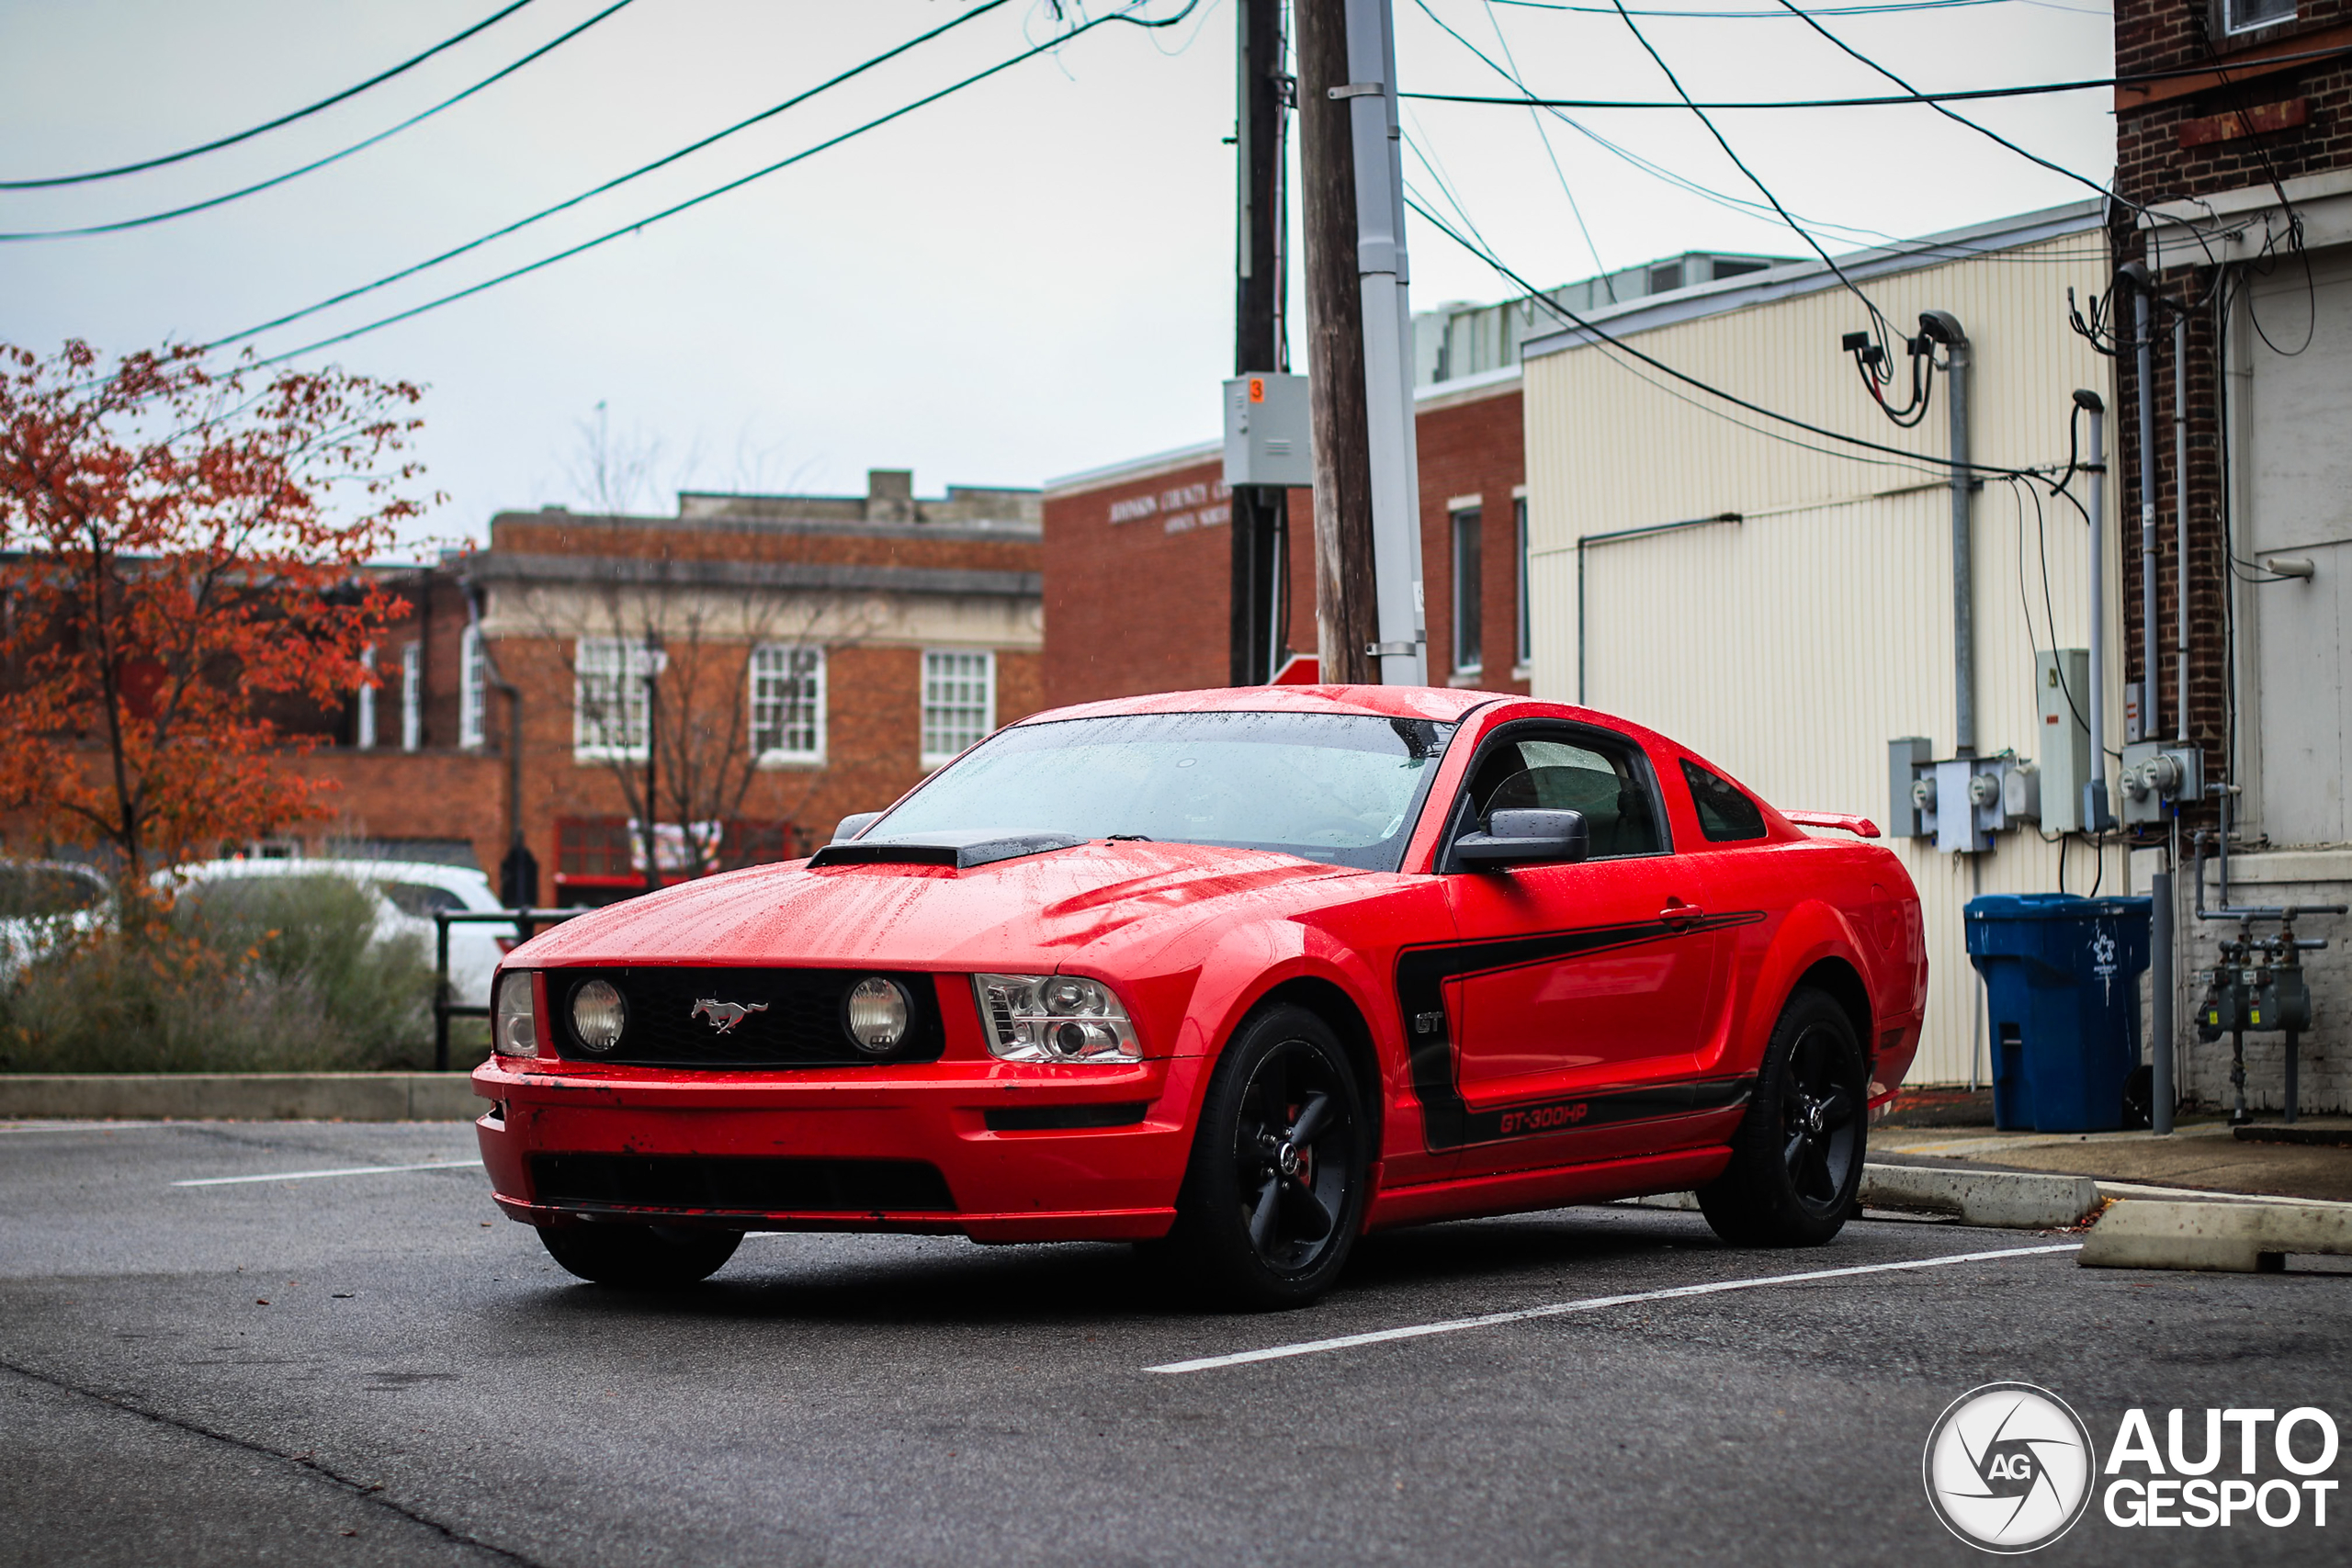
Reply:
x=2161, y=1024
x=2145, y=359
x=1382, y=275
x=2094, y=815
x=652, y=812
x=1257, y=521
x=440, y=991
x=1964, y=557
x=2180, y=526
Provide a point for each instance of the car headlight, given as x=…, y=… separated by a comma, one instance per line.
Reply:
x=514, y=1028
x=598, y=1015
x=876, y=1014
x=1054, y=1018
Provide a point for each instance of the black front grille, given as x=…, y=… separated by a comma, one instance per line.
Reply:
x=801, y=1021
x=748, y=1185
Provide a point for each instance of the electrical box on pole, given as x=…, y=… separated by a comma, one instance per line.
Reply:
x=1269, y=432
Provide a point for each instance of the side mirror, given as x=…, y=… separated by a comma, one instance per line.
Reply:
x=851, y=826
x=1525, y=837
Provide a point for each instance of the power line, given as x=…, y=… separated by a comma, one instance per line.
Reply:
x=1892, y=7
x=879, y=120
x=1880, y=100
x=1878, y=322
x=1584, y=325
x=1545, y=136
x=498, y=75
x=213, y=146
x=499, y=233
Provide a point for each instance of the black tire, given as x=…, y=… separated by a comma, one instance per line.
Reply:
x=1796, y=1163
x=640, y=1257
x=1275, y=1193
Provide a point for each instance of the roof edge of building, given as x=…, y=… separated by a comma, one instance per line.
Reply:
x=508, y=566
x=1015, y=530
x=1704, y=300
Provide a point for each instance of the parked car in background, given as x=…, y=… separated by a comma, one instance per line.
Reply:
x=1238, y=975
x=44, y=903
x=409, y=893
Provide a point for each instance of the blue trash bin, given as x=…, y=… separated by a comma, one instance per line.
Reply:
x=2061, y=999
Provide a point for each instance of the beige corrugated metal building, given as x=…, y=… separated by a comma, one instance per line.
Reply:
x=1791, y=644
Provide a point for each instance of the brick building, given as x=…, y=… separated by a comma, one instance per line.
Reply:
x=813, y=656
x=2235, y=169
x=1138, y=559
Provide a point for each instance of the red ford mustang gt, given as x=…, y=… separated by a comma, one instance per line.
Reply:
x=1238, y=976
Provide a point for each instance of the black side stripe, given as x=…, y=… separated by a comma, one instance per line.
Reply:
x=1448, y=1123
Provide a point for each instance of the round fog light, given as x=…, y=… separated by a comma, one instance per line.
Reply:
x=598, y=1015
x=879, y=1011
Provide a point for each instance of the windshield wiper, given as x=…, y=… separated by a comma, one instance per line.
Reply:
x=1128, y=838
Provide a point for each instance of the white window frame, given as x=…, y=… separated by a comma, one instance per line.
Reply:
x=812, y=755
x=473, y=689
x=961, y=736
x=624, y=661
x=413, y=697
x=363, y=736
x=1455, y=517
x=1525, y=644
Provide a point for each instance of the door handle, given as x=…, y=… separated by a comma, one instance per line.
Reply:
x=1682, y=916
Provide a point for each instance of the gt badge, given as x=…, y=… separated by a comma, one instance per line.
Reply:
x=724, y=1015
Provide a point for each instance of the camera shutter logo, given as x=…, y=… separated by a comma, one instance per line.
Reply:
x=2009, y=1467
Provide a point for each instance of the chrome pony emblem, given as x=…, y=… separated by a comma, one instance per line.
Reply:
x=724, y=1015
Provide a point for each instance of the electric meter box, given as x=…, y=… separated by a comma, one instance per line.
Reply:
x=2062, y=686
x=1268, y=431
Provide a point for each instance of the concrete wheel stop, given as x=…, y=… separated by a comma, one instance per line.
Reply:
x=2239, y=1239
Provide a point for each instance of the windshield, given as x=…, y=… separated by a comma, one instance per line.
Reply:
x=1332, y=787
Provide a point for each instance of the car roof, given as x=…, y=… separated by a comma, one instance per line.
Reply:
x=457, y=878
x=1443, y=704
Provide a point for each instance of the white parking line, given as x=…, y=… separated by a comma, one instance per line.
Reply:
x=1593, y=1303
x=314, y=1175
x=73, y=1126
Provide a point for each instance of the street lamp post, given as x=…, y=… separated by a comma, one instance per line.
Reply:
x=655, y=659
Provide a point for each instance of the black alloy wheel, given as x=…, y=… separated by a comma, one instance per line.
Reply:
x=640, y=1257
x=1796, y=1165
x=1276, y=1195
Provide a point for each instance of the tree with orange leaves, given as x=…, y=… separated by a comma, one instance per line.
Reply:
x=179, y=554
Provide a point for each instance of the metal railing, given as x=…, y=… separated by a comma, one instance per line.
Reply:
x=526, y=923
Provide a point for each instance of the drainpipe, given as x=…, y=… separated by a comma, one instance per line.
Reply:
x=1942, y=327
x=1585, y=541
x=2145, y=354
x=2180, y=523
x=2094, y=814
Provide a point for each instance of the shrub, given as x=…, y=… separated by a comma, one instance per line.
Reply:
x=279, y=974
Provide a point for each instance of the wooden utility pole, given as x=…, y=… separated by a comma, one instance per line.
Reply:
x=1346, y=610
x=1260, y=512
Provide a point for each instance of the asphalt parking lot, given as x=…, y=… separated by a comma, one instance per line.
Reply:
x=378, y=1369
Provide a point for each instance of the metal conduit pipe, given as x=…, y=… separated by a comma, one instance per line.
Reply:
x=1942, y=327
x=2180, y=526
x=2146, y=358
x=2094, y=816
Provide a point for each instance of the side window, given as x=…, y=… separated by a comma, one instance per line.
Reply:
x=418, y=900
x=1600, y=775
x=1725, y=816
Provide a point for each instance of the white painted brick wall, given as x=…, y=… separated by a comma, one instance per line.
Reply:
x=2326, y=1051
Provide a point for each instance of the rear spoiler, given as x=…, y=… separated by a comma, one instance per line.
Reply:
x=1860, y=827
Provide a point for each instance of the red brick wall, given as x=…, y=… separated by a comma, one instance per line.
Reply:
x=1144, y=604
x=565, y=534
x=2164, y=154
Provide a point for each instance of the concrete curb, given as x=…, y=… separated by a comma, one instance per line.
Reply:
x=239, y=1097
x=2239, y=1239
x=1999, y=1199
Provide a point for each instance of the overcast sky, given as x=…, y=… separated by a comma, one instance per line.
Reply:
x=1030, y=278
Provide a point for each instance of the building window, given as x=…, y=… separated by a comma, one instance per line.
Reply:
x=787, y=703
x=365, y=735
x=1526, y=641
x=1469, y=583
x=473, y=686
x=595, y=846
x=412, y=696
x=958, y=703
x=608, y=698
x=2245, y=16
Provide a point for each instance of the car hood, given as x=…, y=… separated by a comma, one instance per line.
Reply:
x=1031, y=912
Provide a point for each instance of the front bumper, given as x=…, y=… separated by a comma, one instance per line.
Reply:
x=1021, y=1179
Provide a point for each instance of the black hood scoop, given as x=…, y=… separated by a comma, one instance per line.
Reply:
x=982, y=846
